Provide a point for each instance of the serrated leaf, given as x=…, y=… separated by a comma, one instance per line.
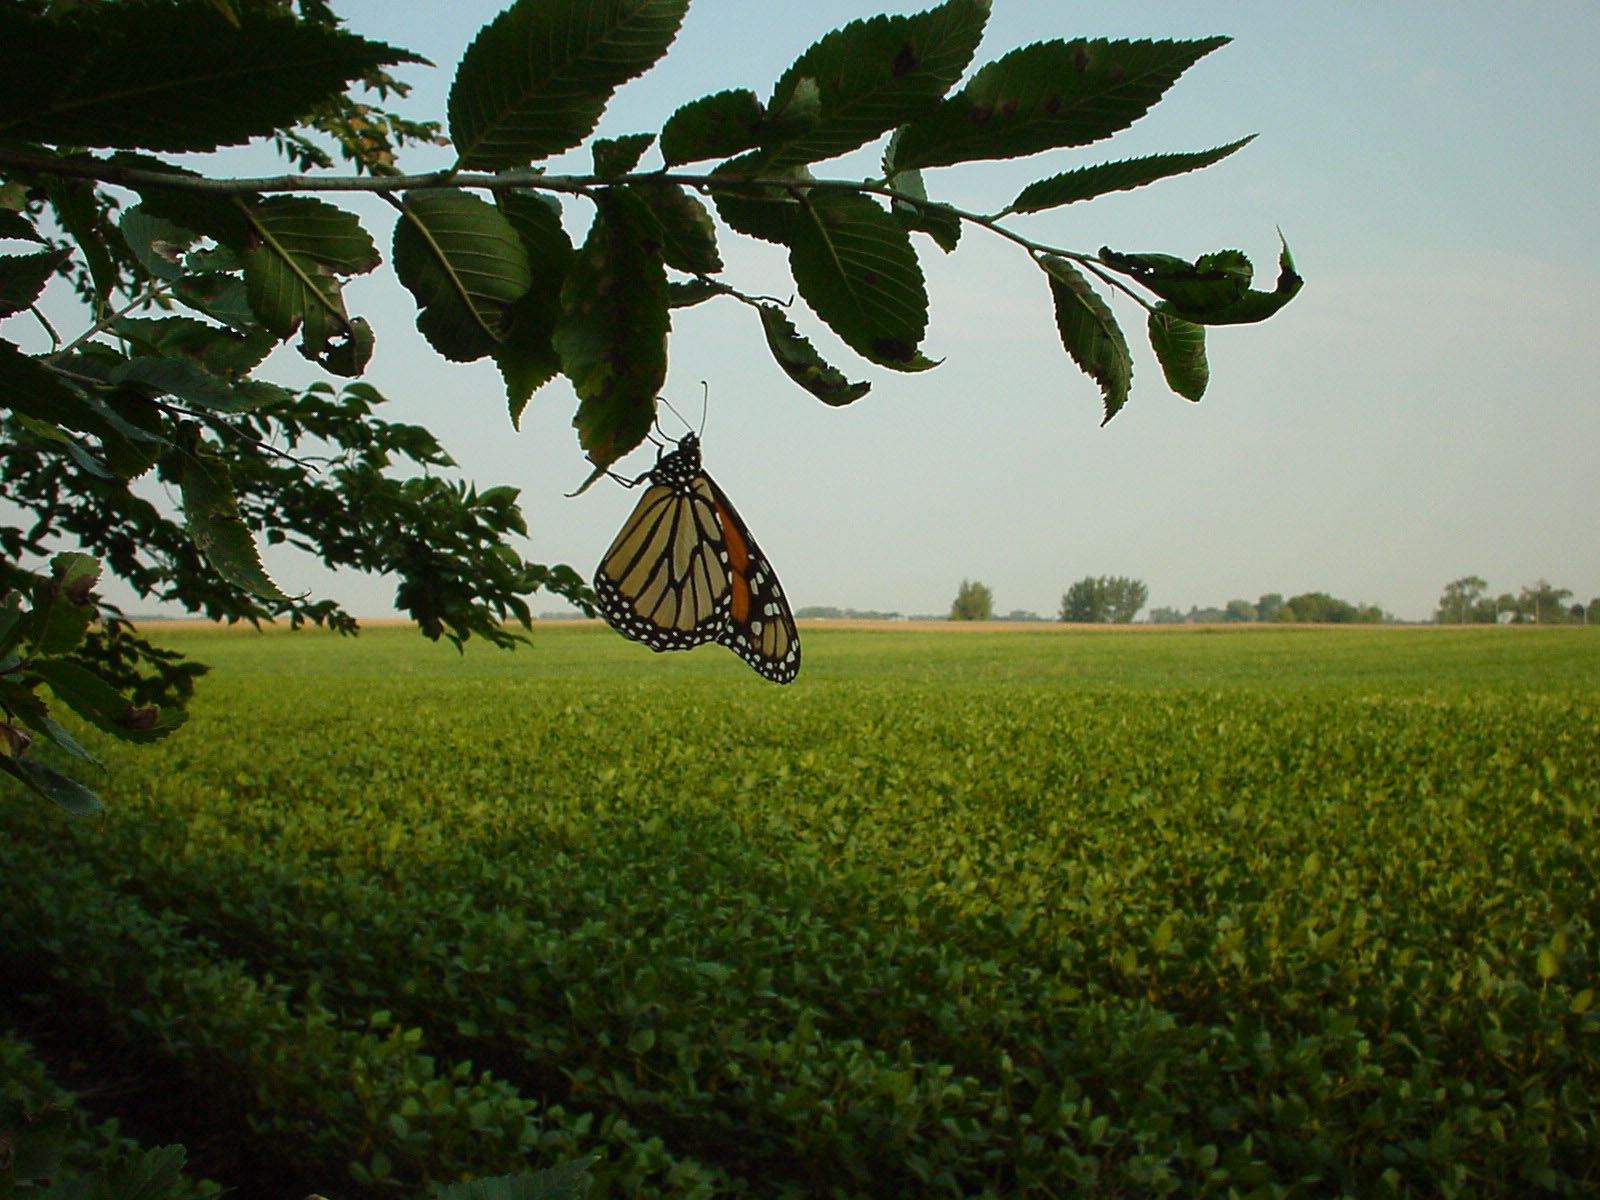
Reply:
x=52, y=785
x=612, y=333
x=872, y=75
x=526, y=357
x=761, y=211
x=855, y=267
x=1180, y=348
x=1085, y=183
x=194, y=385
x=97, y=702
x=292, y=265
x=688, y=237
x=535, y=80
x=23, y=277
x=464, y=263
x=224, y=352
x=716, y=126
x=147, y=1174
x=1045, y=96
x=14, y=225
x=174, y=76
x=801, y=362
x=1090, y=333
x=212, y=518
x=615, y=157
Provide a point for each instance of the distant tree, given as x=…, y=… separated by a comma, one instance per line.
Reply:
x=1165, y=616
x=1267, y=607
x=1098, y=599
x=1239, y=610
x=1543, y=604
x=1591, y=614
x=973, y=602
x=1319, y=608
x=1464, y=602
x=1021, y=614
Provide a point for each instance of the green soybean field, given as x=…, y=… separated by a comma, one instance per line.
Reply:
x=1032, y=912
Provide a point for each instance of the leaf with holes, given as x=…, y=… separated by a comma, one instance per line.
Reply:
x=536, y=79
x=1089, y=333
x=855, y=267
x=297, y=251
x=464, y=263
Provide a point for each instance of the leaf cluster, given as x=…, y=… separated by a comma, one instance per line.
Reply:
x=193, y=285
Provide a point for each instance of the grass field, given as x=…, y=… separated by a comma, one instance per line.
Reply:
x=1030, y=912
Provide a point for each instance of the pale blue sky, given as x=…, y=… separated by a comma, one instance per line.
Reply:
x=1424, y=410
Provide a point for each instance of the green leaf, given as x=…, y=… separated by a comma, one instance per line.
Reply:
x=762, y=211
x=535, y=80
x=611, y=335
x=1180, y=348
x=291, y=268
x=855, y=267
x=63, y=605
x=689, y=292
x=463, y=261
x=715, y=126
x=568, y=1181
x=97, y=702
x=1547, y=964
x=1213, y=290
x=615, y=157
x=23, y=276
x=175, y=76
x=872, y=75
x=147, y=1174
x=223, y=352
x=1045, y=96
x=801, y=363
x=938, y=221
x=156, y=242
x=1089, y=333
x=52, y=785
x=1085, y=183
x=194, y=385
x=526, y=356
x=213, y=521
x=688, y=237
x=77, y=211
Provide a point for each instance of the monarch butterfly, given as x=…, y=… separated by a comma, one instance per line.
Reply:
x=684, y=570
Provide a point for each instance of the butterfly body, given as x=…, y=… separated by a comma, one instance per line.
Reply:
x=684, y=571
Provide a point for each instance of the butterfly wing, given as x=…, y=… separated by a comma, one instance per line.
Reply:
x=759, y=627
x=663, y=581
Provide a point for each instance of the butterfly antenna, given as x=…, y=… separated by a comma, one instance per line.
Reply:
x=705, y=406
x=674, y=411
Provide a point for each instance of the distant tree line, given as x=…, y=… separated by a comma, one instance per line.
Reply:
x=1314, y=608
x=1466, y=601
